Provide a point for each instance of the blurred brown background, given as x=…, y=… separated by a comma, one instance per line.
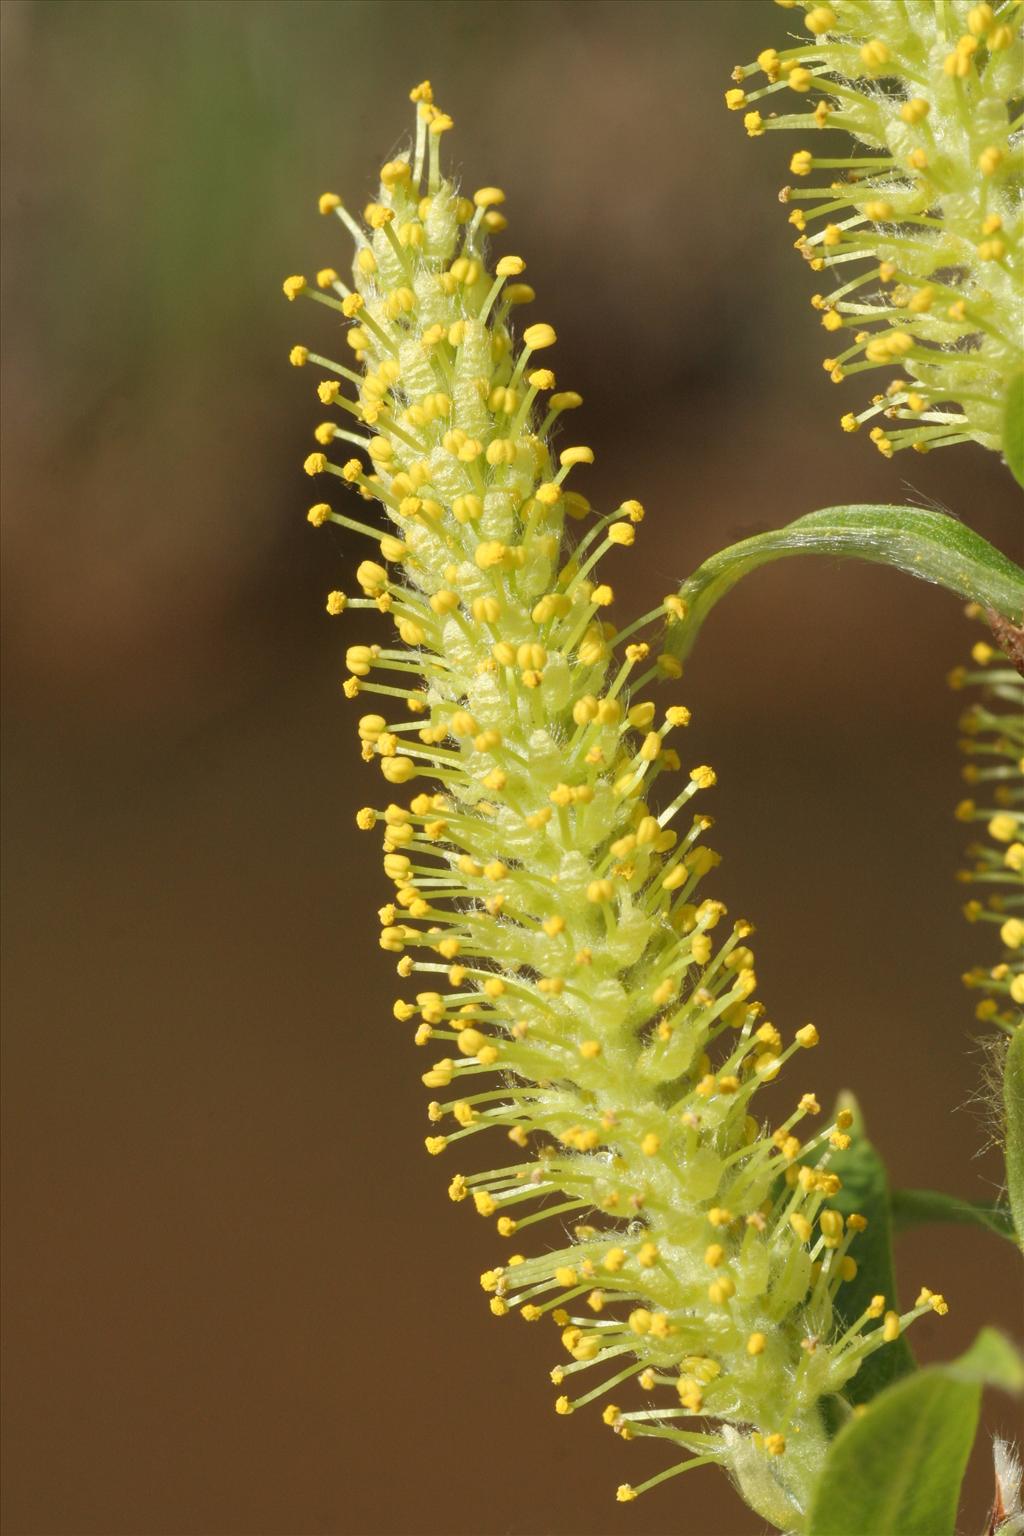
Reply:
x=237, y=1300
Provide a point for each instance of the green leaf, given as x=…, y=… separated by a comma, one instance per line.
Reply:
x=897, y=1468
x=866, y=1189
x=1013, y=428
x=922, y=543
x=991, y=1361
x=917, y=1207
x=1013, y=1099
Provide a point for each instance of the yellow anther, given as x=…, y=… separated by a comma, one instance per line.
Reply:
x=397, y=770
x=395, y=172
x=466, y=509
x=915, y=110
x=756, y=1343
x=553, y=605
x=392, y=548
x=807, y=1036
x=831, y=1224
x=531, y=656
x=1012, y=933
x=874, y=54
x=536, y=337
x=489, y=553
x=444, y=601
x=819, y=20
x=891, y=1327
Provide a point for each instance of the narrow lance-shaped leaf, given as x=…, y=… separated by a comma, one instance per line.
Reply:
x=930, y=545
x=898, y=1467
x=918, y=1207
